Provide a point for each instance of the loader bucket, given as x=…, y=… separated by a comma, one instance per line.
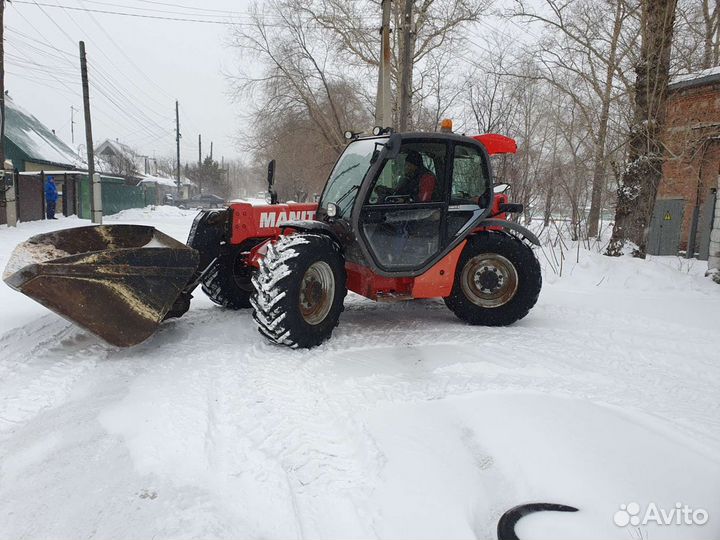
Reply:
x=116, y=281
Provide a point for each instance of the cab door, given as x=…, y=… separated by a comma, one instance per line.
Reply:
x=470, y=188
x=403, y=219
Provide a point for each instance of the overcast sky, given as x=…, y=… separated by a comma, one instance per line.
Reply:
x=141, y=65
x=138, y=66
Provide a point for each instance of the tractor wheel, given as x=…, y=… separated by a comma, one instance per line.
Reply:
x=299, y=290
x=497, y=281
x=227, y=283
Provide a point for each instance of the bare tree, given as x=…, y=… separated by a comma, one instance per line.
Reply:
x=696, y=43
x=637, y=193
x=491, y=95
x=585, y=48
x=437, y=28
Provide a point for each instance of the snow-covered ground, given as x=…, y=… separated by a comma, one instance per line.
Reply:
x=407, y=424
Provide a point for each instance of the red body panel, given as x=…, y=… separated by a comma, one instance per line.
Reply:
x=437, y=282
x=263, y=221
x=497, y=144
x=498, y=199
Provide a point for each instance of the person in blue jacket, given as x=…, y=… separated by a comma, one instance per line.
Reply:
x=51, y=197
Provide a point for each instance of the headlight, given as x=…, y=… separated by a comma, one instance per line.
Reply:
x=332, y=210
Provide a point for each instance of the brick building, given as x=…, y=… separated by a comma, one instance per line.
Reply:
x=692, y=166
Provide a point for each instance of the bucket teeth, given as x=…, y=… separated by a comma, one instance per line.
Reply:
x=116, y=281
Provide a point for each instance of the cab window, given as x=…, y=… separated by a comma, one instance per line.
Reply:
x=470, y=184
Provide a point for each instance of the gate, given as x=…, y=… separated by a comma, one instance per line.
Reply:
x=707, y=214
x=30, y=196
x=665, y=227
x=69, y=195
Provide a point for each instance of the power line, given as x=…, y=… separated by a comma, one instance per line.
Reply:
x=145, y=121
x=137, y=15
x=175, y=5
x=134, y=65
x=192, y=17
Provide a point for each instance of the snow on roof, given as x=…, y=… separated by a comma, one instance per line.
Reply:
x=164, y=181
x=35, y=139
x=117, y=147
x=696, y=78
x=149, y=178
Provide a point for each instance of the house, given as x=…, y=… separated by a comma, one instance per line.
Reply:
x=685, y=207
x=119, y=158
x=31, y=146
x=165, y=187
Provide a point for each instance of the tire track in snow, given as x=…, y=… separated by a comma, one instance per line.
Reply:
x=328, y=463
x=37, y=374
x=560, y=359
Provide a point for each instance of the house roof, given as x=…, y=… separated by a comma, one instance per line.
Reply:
x=697, y=78
x=117, y=148
x=34, y=139
x=163, y=181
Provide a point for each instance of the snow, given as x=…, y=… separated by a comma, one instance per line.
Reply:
x=696, y=75
x=407, y=424
x=161, y=180
x=33, y=137
x=255, y=201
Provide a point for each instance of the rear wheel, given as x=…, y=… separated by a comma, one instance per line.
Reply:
x=497, y=282
x=227, y=282
x=299, y=290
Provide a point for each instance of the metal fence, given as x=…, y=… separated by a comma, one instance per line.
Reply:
x=74, y=195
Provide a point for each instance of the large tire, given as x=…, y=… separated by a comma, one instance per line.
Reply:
x=497, y=281
x=227, y=282
x=299, y=290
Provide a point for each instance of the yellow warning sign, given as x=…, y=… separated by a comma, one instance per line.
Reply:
x=667, y=217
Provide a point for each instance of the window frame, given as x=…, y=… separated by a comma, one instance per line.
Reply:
x=366, y=256
x=441, y=204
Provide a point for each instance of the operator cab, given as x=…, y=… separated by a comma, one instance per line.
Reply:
x=410, y=198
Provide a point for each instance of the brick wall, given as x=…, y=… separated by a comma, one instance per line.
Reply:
x=692, y=161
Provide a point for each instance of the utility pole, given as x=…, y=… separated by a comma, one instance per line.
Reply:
x=2, y=85
x=383, y=112
x=211, y=150
x=88, y=135
x=407, y=66
x=8, y=177
x=200, y=163
x=177, y=141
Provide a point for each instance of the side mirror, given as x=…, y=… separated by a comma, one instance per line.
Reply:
x=271, y=182
x=511, y=208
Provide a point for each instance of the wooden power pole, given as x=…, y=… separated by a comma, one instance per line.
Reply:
x=383, y=112
x=2, y=84
x=177, y=141
x=200, y=172
x=88, y=127
x=406, y=68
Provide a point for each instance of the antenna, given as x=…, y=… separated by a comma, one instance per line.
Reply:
x=72, y=124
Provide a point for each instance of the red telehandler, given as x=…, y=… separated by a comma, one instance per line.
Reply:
x=402, y=216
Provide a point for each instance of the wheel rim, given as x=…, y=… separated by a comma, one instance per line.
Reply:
x=489, y=280
x=317, y=291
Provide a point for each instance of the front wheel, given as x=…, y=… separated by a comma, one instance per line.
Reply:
x=227, y=282
x=299, y=290
x=497, y=282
